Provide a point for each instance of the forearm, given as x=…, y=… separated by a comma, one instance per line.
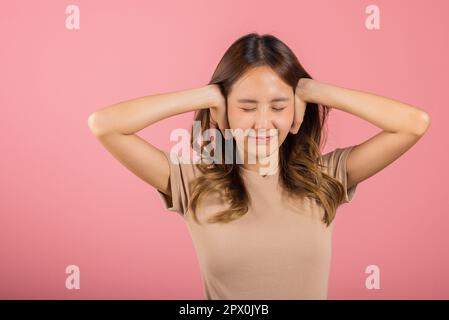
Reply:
x=131, y=116
x=387, y=114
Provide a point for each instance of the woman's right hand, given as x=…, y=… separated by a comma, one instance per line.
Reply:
x=218, y=110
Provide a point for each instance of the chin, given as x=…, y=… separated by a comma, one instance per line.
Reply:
x=269, y=149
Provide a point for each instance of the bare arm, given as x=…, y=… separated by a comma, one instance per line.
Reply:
x=402, y=125
x=116, y=126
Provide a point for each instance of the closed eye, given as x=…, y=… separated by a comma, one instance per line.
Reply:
x=276, y=109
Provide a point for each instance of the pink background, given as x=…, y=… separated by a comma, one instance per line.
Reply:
x=65, y=200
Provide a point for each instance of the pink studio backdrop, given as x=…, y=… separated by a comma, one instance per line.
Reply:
x=65, y=200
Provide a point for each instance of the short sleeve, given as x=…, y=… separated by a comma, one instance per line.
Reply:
x=335, y=166
x=181, y=174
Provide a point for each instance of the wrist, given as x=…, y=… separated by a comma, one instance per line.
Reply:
x=212, y=95
x=307, y=89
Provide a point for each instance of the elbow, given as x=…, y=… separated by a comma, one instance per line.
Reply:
x=94, y=124
x=422, y=123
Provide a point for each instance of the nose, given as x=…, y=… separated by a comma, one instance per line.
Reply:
x=263, y=120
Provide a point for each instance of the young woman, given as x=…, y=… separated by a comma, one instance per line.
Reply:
x=260, y=236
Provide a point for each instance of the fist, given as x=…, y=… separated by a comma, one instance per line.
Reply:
x=300, y=106
x=218, y=110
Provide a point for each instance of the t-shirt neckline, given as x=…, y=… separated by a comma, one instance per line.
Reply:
x=257, y=174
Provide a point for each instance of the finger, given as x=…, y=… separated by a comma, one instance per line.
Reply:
x=295, y=127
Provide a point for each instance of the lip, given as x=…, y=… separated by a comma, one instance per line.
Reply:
x=262, y=139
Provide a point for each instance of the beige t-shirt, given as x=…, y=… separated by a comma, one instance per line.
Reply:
x=280, y=249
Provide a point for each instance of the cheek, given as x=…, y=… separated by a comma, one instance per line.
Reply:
x=238, y=120
x=284, y=123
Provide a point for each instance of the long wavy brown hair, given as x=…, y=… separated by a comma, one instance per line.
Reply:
x=300, y=160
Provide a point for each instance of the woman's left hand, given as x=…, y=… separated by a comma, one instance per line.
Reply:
x=300, y=105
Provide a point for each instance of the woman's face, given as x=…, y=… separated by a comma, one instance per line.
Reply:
x=260, y=100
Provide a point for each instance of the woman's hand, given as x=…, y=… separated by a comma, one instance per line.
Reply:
x=300, y=104
x=218, y=110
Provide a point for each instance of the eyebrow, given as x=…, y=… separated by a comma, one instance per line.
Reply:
x=278, y=99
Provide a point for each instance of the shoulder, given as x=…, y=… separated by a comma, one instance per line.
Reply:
x=334, y=163
x=182, y=167
x=335, y=160
x=182, y=173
